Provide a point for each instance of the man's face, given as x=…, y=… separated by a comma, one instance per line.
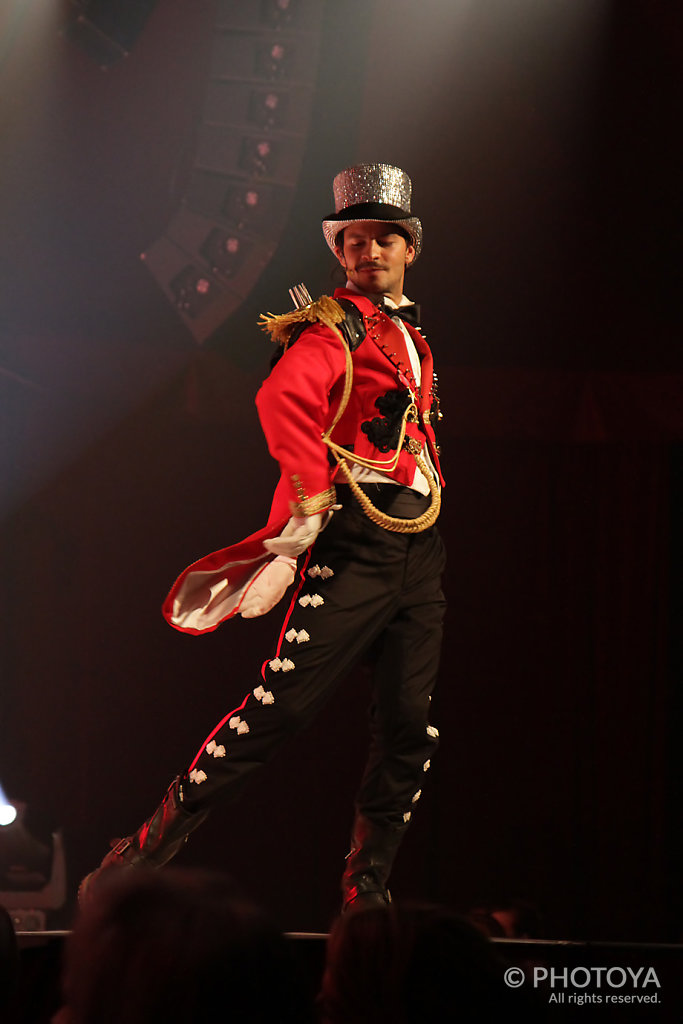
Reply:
x=375, y=258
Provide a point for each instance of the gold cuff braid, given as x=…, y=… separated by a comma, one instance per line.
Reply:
x=311, y=506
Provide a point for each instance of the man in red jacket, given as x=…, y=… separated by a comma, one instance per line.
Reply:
x=348, y=412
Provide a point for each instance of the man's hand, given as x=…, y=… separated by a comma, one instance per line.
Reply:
x=268, y=587
x=298, y=534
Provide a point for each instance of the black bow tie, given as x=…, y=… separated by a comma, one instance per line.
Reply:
x=409, y=313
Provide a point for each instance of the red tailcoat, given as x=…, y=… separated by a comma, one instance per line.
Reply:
x=296, y=405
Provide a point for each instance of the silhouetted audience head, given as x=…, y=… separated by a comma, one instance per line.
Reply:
x=178, y=945
x=404, y=964
x=509, y=918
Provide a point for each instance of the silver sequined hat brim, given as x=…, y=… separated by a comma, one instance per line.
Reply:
x=377, y=183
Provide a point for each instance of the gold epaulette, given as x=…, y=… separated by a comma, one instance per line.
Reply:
x=280, y=325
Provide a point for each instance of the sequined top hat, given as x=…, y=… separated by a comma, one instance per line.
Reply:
x=369, y=192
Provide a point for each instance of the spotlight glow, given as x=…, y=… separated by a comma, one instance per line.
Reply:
x=8, y=812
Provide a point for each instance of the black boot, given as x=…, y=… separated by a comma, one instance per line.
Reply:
x=373, y=848
x=154, y=843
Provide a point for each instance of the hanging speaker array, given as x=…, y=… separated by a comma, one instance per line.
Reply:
x=249, y=149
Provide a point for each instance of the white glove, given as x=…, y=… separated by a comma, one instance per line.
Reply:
x=298, y=534
x=268, y=587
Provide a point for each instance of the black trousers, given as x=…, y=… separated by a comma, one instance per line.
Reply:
x=363, y=594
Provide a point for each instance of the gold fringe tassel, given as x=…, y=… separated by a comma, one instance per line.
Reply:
x=280, y=325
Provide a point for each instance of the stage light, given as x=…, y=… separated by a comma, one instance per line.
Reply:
x=279, y=13
x=245, y=206
x=8, y=812
x=32, y=868
x=223, y=251
x=258, y=157
x=273, y=61
x=252, y=199
x=193, y=291
x=267, y=109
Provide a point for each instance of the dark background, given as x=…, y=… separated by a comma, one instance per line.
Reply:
x=543, y=143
